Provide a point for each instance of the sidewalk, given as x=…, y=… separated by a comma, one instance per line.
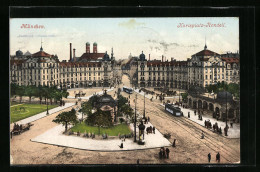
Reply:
x=43, y=114
x=54, y=136
x=232, y=132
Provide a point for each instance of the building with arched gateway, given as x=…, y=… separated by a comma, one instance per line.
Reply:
x=221, y=105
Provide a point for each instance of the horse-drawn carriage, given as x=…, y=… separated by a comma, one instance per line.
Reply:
x=18, y=129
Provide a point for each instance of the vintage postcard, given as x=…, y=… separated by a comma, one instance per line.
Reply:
x=158, y=90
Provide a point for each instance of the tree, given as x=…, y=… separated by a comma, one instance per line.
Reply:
x=30, y=91
x=102, y=119
x=66, y=118
x=86, y=109
x=184, y=96
x=121, y=101
x=21, y=92
x=39, y=93
x=127, y=110
x=46, y=93
x=14, y=88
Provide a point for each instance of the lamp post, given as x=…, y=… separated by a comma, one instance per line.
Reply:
x=144, y=101
x=135, y=119
x=47, y=108
x=226, y=113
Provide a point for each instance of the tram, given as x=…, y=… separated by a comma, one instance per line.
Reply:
x=173, y=109
x=127, y=90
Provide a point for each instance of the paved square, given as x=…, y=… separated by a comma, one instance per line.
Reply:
x=54, y=136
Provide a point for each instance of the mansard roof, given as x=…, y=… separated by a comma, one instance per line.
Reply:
x=230, y=60
x=206, y=52
x=80, y=64
x=41, y=54
x=91, y=56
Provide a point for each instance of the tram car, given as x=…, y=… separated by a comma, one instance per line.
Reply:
x=127, y=90
x=173, y=109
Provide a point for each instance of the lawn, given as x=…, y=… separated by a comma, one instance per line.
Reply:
x=112, y=131
x=30, y=110
x=14, y=103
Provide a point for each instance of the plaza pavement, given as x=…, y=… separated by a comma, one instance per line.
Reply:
x=87, y=97
x=54, y=136
x=232, y=132
x=43, y=114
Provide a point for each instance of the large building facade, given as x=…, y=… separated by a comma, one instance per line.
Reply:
x=204, y=68
x=41, y=68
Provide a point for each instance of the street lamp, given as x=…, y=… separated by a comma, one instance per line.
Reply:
x=144, y=101
x=47, y=108
x=226, y=113
x=135, y=119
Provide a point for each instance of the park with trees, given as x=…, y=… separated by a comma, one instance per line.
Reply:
x=48, y=97
x=101, y=122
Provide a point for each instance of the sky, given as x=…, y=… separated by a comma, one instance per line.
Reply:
x=177, y=38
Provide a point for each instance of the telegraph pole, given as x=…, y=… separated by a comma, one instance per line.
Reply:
x=135, y=118
x=144, y=102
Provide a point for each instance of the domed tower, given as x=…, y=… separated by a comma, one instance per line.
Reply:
x=87, y=47
x=142, y=57
x=106, y=57
x=94, y=47
x=19, y=53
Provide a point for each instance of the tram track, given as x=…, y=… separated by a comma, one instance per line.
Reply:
x=189, y=126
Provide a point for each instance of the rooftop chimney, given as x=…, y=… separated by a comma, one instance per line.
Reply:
x=74, y=59
x=70, y=51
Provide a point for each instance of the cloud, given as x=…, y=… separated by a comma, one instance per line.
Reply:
x=162, y=45
x=131, y=24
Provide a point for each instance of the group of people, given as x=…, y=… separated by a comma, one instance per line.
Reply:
x=89, y=135
x=62, y=103
x=146, y=120
x=217, y=157
x=217, y=129
x=150, y=130
x=164, y=153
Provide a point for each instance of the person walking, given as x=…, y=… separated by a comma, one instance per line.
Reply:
x=164, y=153
x=153, y=130
x=167, y=153
x=188, y=114
x=202, y=135
x=218, y=157
x=195, y=112
x=173, y=144
x=209, y=157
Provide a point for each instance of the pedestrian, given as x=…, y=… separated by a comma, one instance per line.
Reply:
x=209, y=157
x=173, y=144
x=188, y=114
x=164, y=153
x=195, y=112
x=160, y=154
x=167, y=153
x=148, y=119
x=202, y=135
x=121, y=146
x=218, y=157
x=231, y=124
